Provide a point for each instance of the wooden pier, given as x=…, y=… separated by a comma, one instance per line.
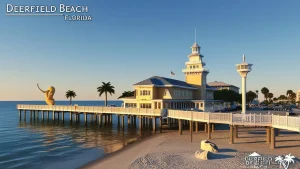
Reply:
x=97, y=114
x=175, y=118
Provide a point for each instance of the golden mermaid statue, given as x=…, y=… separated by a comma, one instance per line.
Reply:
x=48, y=95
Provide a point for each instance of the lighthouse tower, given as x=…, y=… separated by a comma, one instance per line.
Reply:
x=195, y=73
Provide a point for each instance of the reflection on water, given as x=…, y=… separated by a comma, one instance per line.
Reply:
x=56, y=144
x=110, y=138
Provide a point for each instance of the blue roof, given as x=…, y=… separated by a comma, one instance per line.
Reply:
x=163, y=81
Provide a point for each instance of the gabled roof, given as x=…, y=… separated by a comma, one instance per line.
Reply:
x=165, y=82
x=220, y=84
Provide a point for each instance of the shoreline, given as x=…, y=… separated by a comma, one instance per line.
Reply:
x=109, y=156
x=171, y=150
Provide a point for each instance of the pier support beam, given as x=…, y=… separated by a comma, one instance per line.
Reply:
x=118, y=120
x=24, y=115
x=180, y=126
x=78, y=117
x=272, y=145
x=63, y=116
x=154, y=124
x=236, y=130
x=53, y=116
x=191, y=130
x=100, y=120
x=128, y=120
x=42, y=115
x=141, y=122
x=212, y=127
x=205, y=127
x=20, y=114
x=231, y=138
x=268, y=133
x=160, y=125
x=123, y=124
x=85, y=118
x=71, y=116
x=208, y=131
x=47, y=115
x=196, y=126
x=91, y=118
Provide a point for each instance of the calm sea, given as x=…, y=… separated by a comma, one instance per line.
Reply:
x=48, y=144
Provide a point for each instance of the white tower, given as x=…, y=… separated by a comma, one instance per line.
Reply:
x=244, y=68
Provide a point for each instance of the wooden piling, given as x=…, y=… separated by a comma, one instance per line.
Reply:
x=53, y=116
x=236, y=129
x=20, y=114
x=85, y=118
x=42, y=115
x=272, y=145
x=71, y=116
x=268, y=134
x=208, y=131
x=123, y=120
x=141, y=122
x=231, y=138
x=180, y=126
x=196, y=126
x=24, y=115
x=191, y=130
x=63, y=116
x=160, y=125
x=128, y=120
x=154, y=124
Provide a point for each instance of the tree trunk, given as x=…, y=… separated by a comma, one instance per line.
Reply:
x=105, y=99
x=70, y=100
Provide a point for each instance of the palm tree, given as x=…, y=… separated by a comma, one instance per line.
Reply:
x=289, y=92
x=126, y=94
x=70, y=94
x=256, y=91
x=265, y=92
x=270, y=96
x=106, y=88
x=250, y=96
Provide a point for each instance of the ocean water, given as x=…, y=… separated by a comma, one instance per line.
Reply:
x=47, y=144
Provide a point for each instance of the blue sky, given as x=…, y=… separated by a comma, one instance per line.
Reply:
x=129, y=41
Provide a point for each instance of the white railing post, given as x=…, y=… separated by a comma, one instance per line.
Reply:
x=260, y=118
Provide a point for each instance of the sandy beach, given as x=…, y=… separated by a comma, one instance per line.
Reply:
x=171, y=150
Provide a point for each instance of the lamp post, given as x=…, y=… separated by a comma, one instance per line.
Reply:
x=244, y=68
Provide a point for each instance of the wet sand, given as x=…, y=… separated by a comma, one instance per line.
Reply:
x=171, y=150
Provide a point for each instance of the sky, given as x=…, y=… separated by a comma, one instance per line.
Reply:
x=129, y=41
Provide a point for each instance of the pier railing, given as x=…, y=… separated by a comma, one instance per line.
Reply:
x=94, y=109
x=255, y=119
x=224, y=118
x=286, y=122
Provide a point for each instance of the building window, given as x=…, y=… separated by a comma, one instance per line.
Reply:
x=201, y=104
